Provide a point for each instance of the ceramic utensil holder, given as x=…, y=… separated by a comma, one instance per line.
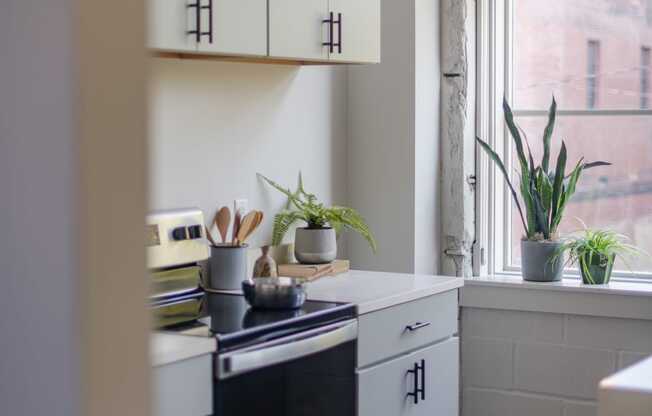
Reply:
x=227, y=267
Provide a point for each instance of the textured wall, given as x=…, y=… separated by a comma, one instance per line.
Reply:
x=543, y=364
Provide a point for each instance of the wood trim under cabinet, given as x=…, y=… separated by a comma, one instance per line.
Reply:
x=243, y=59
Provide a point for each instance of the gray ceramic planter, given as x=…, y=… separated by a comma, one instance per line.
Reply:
x=315, y=245
x=539, y=263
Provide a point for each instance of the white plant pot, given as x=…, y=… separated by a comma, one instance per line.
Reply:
x=315, y=245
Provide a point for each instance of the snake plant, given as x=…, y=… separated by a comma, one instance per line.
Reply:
x=544, y=190
x=303, y=206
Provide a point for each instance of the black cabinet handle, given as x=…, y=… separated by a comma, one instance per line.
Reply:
x=423, y=379
x=210, y=21
x=417, y=326
x=330, y=22
x=197, y=31
x=419, y=374
x=415, y=378
x=338, y=22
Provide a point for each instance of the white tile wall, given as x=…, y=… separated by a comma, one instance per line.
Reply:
x=610, y=333
x=562, y=370
x=500, y=403
x=487, y=362
x=579, y=409
x=537, y=363
x=544, y=327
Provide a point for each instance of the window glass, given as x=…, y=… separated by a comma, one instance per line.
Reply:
x=585, y=52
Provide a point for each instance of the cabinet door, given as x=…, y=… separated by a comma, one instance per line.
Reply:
x=169, y=24
x=238, y=27
x=184, y=387
x=385, y=389
x=358, y=32
x=296, y=29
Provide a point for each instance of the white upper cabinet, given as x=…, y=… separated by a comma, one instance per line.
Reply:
x=310, y=30
x=238, y=27
x=356, y=32
x=169, y=24
x=297, y=30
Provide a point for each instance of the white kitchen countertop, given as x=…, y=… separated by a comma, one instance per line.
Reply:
x=169, y=348
x=628, y=392
x=371, y=291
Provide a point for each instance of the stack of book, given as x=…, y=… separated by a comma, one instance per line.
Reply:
x=175, y=295
x=311, y=272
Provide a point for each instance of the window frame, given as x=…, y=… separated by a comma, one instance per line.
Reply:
x=494, y=52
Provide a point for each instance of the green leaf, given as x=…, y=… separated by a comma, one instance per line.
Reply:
x=557, y=188
x=496, y=159
x=547, y=135
x=516, y=135
x=282, y=222
x=540, y=215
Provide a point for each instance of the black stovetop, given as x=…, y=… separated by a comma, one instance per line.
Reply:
x=230, y=319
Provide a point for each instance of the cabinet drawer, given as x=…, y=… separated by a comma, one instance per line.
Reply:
x=386, y=333
x=386, y=389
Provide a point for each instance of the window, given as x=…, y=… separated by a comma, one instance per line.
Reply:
x=588, y=55
x=645, y=78
x=592, y=73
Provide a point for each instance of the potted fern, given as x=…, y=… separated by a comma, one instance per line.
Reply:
x=595, y=252
x=316, y=242
x=545, y=191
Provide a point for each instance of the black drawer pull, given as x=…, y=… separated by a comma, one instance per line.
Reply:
x=330, y=43
x=338, y=22
x=197, y=31
x=417, y=326
x=210, y=21
x=418, y=367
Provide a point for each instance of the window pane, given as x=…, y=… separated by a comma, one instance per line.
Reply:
x=617, y=197
x=585, y=52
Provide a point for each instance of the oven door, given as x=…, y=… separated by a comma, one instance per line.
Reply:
x=310, y=373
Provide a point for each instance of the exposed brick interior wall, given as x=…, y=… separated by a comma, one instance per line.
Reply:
x=517, y=363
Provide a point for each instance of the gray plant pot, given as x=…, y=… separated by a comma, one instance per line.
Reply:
x=539, y=262
x=315, y=245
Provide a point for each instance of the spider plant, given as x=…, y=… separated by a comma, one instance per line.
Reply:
x=544, y=190
x=304, y=206
x=595, y=251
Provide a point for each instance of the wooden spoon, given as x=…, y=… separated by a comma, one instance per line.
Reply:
x=236, y=227
x=222, y=220
x=209, y=236
x=258, y=219
x=247, y=226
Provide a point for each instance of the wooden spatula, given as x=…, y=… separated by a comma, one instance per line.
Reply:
x=222, y=220
x=247, y=226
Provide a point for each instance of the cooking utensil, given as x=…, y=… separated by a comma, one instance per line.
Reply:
x=222, y=221
x=249, y=224
x=274, y=292
x=236, y=227
x=209, y=236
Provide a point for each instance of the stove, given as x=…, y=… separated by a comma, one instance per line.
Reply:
x=294, y=362
x=234, y=324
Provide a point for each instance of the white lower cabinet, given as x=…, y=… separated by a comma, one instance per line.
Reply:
x=184, y=387
x=423, y=382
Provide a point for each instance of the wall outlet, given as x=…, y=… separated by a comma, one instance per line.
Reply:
x=241, y=205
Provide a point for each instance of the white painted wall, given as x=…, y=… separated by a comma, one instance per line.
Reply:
x=393, y=141
x=215, y=124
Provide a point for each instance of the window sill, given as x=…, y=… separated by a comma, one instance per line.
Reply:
x=618, y=299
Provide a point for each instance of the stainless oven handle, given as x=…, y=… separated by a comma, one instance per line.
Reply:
x=286, y=349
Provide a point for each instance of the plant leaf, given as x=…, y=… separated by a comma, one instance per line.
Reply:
x=547, y=135
x=557, y=188
x=516, y=135
x=496, y=159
